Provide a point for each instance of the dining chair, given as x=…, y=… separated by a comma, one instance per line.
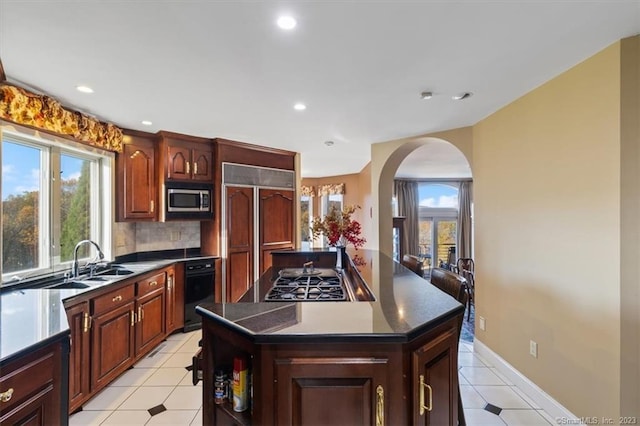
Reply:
x=466, y=268
x=414, y=263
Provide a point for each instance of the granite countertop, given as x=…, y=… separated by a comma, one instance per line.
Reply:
x=32, y=317
x=405, y=306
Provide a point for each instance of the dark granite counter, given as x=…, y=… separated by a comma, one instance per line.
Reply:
x=31, y=317
x=405, y=307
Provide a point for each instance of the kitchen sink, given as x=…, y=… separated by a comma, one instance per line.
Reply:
x=69, y=285
x=115, y=270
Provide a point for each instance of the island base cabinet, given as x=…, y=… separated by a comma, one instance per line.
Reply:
x=331, y=391
x=435, y=381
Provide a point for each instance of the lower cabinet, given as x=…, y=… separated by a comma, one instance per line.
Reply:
x=78, y=317
x=33, y=387
x=354, y=389
x=350, y=383
x=435, y=381
x=112, y=339
x=112, y=330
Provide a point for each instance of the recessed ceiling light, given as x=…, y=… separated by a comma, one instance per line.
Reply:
x=328, y=143
x=299, y=107
x=287, y=22
x=426, y=95
x=461, y=96
x=84, y=89
x=146, y=122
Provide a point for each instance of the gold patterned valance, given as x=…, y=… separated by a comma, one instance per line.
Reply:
x=43, y=112
x=308, y=191
x=331, y=189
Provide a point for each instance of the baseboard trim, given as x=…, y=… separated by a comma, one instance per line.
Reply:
x=533, y=391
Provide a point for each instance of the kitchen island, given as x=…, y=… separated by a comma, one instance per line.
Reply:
x=389, y=360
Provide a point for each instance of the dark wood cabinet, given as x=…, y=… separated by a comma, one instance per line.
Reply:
x=435, y=381
x=187, y=158
x=137, y=189
x=112, y=340
x=353, y=387
x=274, y=217
x=79, y=355
x=33, y=387
x=150, y=313
x=359, y=383
x=170, y=301
x=276, y=223
x=240, y=247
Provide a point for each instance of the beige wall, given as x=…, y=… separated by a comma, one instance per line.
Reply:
x=557, y=246
x=630, y=228
x=547, y=228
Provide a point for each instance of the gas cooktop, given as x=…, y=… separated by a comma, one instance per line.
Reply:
x=314, y=284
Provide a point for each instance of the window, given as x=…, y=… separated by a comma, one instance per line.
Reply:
x=306, y=209
x=438, y=219
x=42, y=218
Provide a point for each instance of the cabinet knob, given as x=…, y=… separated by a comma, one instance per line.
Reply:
x=6, y=396
x=380, y=406
x=422, y=406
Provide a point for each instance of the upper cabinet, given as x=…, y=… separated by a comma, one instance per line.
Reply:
x=137, y=191
x=186, y=158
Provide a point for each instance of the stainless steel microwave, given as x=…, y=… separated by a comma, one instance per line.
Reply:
x=189, y=201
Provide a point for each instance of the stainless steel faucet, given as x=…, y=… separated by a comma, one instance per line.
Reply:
x=76, y=267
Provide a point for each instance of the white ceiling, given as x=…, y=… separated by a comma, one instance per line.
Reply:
x=223, y=68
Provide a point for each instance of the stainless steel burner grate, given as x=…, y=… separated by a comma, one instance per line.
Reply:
x=320, y=285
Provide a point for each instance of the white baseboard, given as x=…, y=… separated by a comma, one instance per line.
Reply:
x=537, y=395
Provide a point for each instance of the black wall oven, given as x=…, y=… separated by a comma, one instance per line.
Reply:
x=199, y=282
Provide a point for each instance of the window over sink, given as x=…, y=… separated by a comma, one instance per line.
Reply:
x=54, y=193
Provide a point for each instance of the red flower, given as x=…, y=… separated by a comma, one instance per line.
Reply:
x=338, y=227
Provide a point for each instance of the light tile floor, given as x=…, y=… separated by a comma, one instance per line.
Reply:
x=161, y=384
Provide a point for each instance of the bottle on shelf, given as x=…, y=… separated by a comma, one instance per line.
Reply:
x=240, y=384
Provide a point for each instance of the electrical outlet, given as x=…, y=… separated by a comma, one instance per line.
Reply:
x=533, y=349
x=483, y=325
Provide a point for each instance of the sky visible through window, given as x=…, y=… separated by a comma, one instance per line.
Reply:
x=21, y=169
x=438, y=195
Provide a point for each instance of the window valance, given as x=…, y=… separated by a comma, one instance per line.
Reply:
x=43, y=112
x=308, y=191
x=331, y=189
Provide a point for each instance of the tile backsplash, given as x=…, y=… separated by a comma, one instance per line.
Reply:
x=131, y=237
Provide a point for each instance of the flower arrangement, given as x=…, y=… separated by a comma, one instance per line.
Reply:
x=340, y=229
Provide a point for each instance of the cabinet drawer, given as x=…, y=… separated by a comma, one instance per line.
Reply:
x=151, y=284
x=24, y=378
x=113, y=299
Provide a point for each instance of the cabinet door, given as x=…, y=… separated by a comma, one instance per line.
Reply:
x=435, y=381
x=170, y=301
x=178, y=162
x=150, y=327
x=202, y=164
x=36, y=411
x=239, y=220
x=276, y=223
x=136, y=181
x=112, y=344
x=79, y=361
x=339, y=391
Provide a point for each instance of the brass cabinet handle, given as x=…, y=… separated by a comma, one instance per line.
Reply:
x=86, y=322
x=6, y=396
x=188, y=167
x=152, y=206
x=152, y=283
x=169, y=282
x=140, y=313
x=118, y=298
x=380, y=406
x=195, y=168
x=422, y=406
x=133, y=318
